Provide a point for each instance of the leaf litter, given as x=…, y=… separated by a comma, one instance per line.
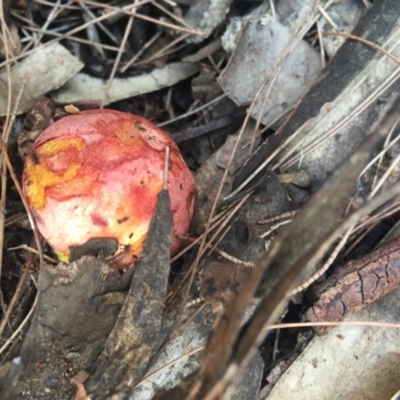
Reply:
x=188, y=329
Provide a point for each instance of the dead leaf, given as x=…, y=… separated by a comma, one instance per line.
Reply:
x=84, y=88
x=346, y=82
x=260, y=44
x=205, y=16
x=46, y=69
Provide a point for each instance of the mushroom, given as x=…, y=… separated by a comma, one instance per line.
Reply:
x=97, y=174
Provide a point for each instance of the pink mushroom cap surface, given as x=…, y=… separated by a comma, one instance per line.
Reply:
x=97, y=174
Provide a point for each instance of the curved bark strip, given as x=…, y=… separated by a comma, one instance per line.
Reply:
x=357, y=284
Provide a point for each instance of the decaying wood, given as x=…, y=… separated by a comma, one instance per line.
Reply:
x=357, y=284
x=138, y=332
x=77, y=308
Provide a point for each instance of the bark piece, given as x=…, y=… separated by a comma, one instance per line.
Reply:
x=137, y=334
x=77, y=308
x=350, y=362
x=357, y=284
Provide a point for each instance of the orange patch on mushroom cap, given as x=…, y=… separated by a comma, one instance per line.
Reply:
x=97, y=174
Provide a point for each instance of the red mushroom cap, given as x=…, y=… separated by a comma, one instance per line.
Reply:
x=96, y=174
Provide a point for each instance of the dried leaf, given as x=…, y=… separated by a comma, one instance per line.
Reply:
x=205, y=16
x=46, y=69
x=259, y=47
x=354, y=73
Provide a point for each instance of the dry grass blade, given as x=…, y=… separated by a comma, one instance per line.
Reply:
x=141, y=51
x=195, y=111
x=110, y=12
x=376, y=324
x=7, y=128
x=22, y=325
x=326, y=265
x=116, y=61
x=223, y=254
x=170, y=364
x=75, y=39
x=24, y=202
x=126, y=10
x=17, y=293
x=379, y=157
x=6, y=165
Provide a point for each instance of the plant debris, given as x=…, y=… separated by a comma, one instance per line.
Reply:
x=355, y=285
x=53, y=64
x=287, y=113
x=83, y=88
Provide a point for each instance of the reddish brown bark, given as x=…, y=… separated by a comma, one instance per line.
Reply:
x=357, y=284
